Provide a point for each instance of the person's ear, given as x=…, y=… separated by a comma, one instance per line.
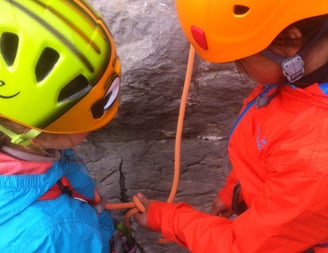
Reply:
x=293, y=34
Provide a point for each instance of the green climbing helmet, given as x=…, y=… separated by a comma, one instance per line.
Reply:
x=59, y=71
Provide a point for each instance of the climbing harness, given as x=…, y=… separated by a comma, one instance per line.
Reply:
x=63, y=186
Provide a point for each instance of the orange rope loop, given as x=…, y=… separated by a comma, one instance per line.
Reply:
x=136, y=206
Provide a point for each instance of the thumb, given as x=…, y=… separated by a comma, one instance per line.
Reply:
x=143, y=199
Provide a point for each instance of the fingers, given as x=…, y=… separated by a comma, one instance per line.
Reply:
x=219, y=209
x=141, y=217
x=143, y=199
x=214, y=211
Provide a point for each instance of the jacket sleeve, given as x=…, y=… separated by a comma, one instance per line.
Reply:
x=225, y=194
x=289, y=215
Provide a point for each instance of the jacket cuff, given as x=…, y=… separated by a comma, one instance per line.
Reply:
x=154, y=214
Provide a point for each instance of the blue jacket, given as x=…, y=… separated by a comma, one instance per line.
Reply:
x=63, y=224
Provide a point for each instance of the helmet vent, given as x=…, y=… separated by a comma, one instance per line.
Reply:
x=75, y=89
x=46, y=63
x=8, y=47
x=240, y=10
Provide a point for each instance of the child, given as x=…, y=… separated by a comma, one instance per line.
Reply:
x=279, y=145
x=59, y=77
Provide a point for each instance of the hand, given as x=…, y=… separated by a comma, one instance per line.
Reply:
x=141, y=218
x=219, y=209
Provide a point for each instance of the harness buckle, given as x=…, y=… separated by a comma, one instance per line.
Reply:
x=64, y=188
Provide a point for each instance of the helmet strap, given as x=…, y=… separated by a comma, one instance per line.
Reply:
x=23, y=139
x=292, y=67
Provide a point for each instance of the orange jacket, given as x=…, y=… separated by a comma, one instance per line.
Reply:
x=279, y=155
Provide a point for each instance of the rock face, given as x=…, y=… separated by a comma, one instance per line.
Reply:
x=135, y=152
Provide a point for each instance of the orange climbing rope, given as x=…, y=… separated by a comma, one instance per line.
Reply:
x=178, y=137
x=136, y=206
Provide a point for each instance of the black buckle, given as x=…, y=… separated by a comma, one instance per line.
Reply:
x=64, y=188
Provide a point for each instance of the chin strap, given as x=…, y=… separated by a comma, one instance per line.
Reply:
x=293, y=67
x=23, y=139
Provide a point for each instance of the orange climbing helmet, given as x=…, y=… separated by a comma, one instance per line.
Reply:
x=59, y=71
x=227, y=30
